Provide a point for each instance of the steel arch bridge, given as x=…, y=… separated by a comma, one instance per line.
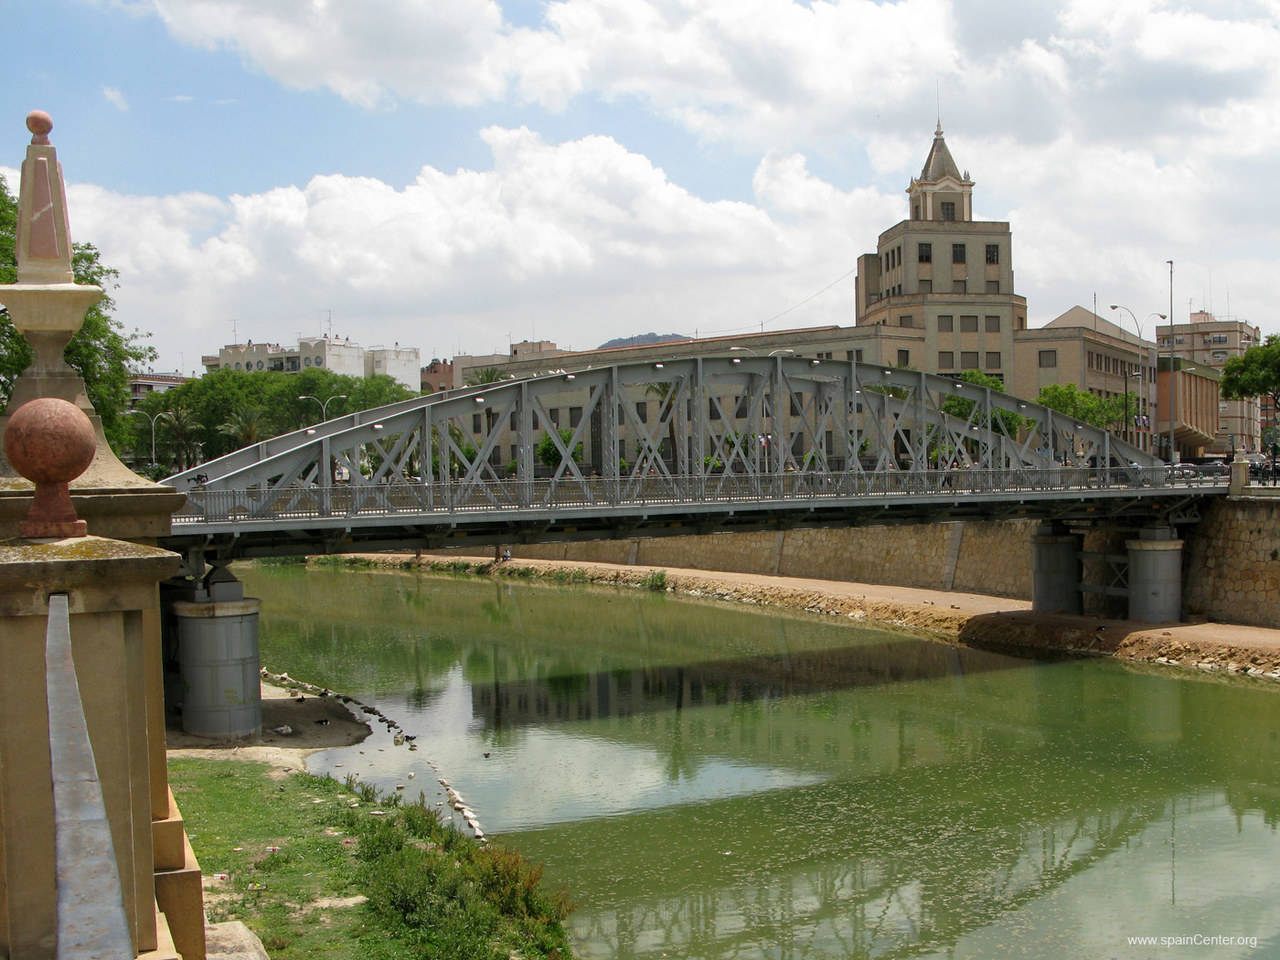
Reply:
x=705, y=442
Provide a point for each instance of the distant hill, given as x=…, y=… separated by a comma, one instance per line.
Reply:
x=641, y=339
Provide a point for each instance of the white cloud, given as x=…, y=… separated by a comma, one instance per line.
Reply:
x=116, y=98
x=577, y=241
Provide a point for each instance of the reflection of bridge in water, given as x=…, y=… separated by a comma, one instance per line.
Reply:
x=978, y=800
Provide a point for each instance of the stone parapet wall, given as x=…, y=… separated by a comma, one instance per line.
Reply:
x=1231, y=563
x=991, y=557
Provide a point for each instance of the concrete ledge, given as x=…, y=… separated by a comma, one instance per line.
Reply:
x=165, y=948
x=168, y=839
x=180, y=895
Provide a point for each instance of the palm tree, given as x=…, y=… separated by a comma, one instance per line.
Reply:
x=245, y=426
x=183, y=429
x=478, y=378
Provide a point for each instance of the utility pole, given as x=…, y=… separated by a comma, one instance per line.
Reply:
x=1173, y=383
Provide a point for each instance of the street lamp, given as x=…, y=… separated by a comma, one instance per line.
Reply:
x=1146, y=399
x=324, y=404
x=153, y=419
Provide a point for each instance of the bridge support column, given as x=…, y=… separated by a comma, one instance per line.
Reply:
x=217, y=636
x=1055, y=570
x=1155, y=576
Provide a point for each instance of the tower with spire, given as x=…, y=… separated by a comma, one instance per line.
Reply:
x=939, y=288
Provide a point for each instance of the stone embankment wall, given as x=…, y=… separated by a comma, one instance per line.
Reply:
x=1231, y=560
x=992, y=558
x=1231, y=563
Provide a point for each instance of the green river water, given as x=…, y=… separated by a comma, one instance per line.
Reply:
x=711, y=780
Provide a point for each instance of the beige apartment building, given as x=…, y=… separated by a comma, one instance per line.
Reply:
x=1205, y=341
x=1098, y=356
x=941, y=281
x=1192, y=390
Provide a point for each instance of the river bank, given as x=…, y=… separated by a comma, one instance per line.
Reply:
x=977, y=620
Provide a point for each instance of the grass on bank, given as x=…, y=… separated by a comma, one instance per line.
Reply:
x=375, y=880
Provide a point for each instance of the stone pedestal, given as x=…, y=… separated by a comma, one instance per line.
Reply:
x=1055, y=571
x=112, y=597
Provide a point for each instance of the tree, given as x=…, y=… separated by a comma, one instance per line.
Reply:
x=268, y=401
x=549, y=455
x=478, y=378
x=962, y=407
x=100, y=351
x=1094, y=410
x=1256, y=373
x=245, y=426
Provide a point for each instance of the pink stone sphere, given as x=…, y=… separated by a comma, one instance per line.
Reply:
x=49, y=441
x=39, y=123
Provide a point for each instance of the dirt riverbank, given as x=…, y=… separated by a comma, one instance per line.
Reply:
x=312, y=723
x=971, y=619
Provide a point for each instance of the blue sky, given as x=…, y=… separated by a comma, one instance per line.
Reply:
x=449, y=175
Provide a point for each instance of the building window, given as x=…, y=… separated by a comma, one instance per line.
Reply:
x=969, y=359
x=904, y=358
x=926, y=286
x=475, y=423
x=642, y=411
x=948, y=210
x=993, y=286
x=1219, y=338
x=925, y=254
x=1048, y=358
x=946, y=360
x=993, y=324
x=906, y=320
x=957, y=253
x=993, y=253
x=554, y=414
x=968, y=324
x=959, y=286
x=319, y=361
x=857, y=355
x=575, y=416
x=713, y=409
x=946, y=323
x=511, y=422
x=993, y=359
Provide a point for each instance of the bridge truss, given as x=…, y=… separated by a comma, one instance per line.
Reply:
x=708, y=430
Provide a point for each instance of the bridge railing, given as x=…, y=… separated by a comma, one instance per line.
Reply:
x=90, y=897
x=259, y=505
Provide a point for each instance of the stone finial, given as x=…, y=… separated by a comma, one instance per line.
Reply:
x=50, y=442
x=43, y=232
x=39, y=123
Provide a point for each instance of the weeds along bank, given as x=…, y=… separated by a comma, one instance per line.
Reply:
x=317, y=868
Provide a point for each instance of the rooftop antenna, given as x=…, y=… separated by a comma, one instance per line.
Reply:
x=235, y=337
x=330, y=312
x=937, y=89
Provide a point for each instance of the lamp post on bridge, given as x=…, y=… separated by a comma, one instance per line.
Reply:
x=1146, y=399
x=324, y=404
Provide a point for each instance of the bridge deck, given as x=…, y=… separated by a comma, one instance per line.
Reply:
x=343, y=518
